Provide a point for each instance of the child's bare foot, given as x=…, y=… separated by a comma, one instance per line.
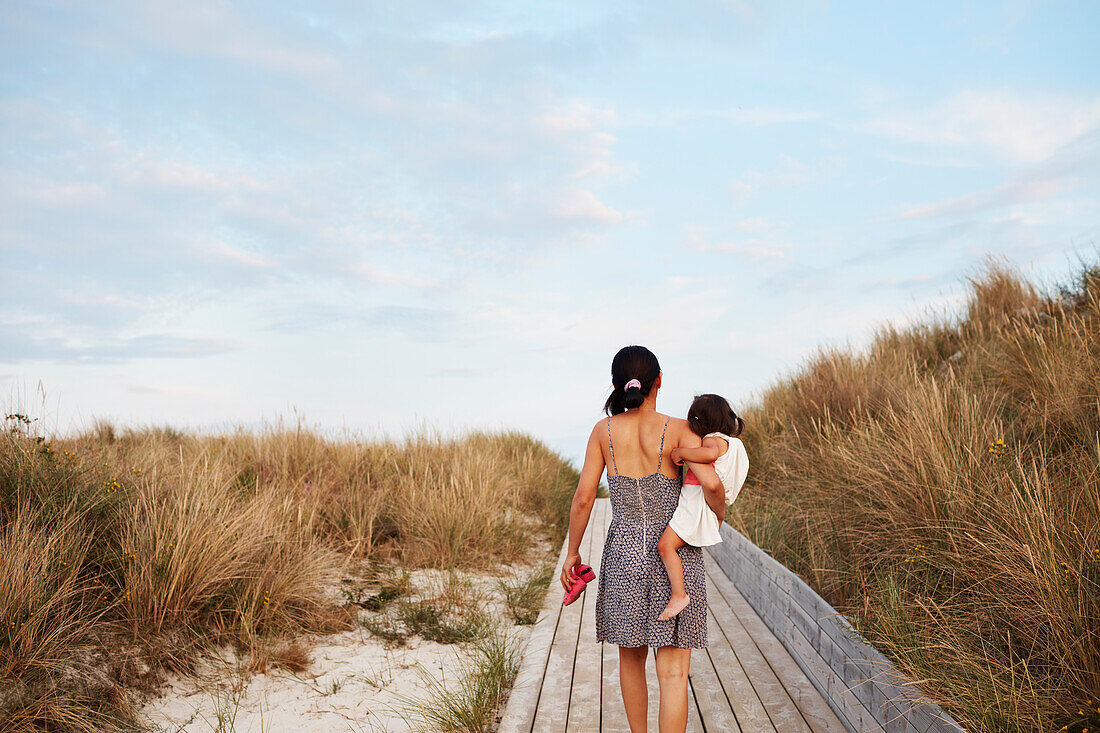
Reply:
x=674, y=607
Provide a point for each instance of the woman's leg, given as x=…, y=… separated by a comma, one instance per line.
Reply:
x=672, y=676
x=632, y=683
x=667, y=546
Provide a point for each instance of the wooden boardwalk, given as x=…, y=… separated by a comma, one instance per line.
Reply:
x=744, y=681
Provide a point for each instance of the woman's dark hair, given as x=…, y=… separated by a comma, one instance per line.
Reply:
x=632, y=362
x=711, y=413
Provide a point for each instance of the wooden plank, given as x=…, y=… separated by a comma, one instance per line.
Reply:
x=584, y=703
x=780, y=707
x=727, y=558
x=767, y=565
x=714, y=707
x=695, y=721
x=552, y=712
x=809, y=600
x=519, y=713
x=860, y=675
x=751, y=639
x=838, y=690
x=744, y=701
x=807, y=624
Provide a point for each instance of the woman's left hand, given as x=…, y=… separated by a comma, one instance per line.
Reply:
x=675, y=457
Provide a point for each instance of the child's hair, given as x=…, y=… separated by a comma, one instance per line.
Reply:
x=711, y=413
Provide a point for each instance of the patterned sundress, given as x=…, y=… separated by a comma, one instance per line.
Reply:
x=633, y=585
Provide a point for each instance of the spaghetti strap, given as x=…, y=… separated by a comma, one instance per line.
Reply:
x=660, y=456
x=609, y=445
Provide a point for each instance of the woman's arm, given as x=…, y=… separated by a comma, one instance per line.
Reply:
x=713, y=491
x=583, y=500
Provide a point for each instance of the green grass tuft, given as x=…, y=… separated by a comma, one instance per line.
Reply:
x=470, y=706
x=524, y=596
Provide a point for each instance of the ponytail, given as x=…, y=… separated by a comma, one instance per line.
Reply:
x=634, y=371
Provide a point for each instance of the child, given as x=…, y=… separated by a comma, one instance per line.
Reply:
x=694, y=523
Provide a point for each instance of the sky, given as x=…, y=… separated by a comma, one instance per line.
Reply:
x=380, y=217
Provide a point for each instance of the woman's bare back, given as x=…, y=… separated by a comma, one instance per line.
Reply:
x=636, y=435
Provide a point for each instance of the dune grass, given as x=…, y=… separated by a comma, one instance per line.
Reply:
x=943, y=488
x=128, y=553
x=470, y=704
x=524, y=596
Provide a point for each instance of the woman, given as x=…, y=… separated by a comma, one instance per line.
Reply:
x=631, y=442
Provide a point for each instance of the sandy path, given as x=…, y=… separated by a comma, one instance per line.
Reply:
x=356, y=682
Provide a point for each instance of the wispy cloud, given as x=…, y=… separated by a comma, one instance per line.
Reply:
x=753, y=239
x=1068, y=167
x=742, y=115
x=23, y=342
x=371, y=323
x=787, y=172
x=1015, y=192
x=580, y=205
x=1017, y=127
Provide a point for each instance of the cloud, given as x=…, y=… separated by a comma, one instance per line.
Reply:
x=580, y=205
x=215, y=30
x=419, y=324
x=754, y=246
x=755, y=224
x=654, y=314
x=22, y=342
x=927, y=161
x=1014, y=126
x=400, y=279
x=1069, y=167
x=751, y=116
x=1015, y=192
x=740, y=191
x=787, y=172
x=754, y=249
x=284, y=149
x=248, y=260
x=260, y=160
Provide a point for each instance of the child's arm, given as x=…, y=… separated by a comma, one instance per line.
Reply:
x=708, y=452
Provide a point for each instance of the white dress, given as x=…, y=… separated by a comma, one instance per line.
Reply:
x=693, y=520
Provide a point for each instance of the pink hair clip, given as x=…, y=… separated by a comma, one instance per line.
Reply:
x=632, y=383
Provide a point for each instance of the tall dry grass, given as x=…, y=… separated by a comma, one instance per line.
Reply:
x=943, y=487
x=124, y=554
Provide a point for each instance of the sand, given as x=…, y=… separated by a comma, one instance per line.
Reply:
x=356, y=682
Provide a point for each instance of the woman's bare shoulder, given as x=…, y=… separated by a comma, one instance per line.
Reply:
x=682, y=431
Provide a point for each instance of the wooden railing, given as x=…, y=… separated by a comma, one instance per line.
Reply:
x=865, y=690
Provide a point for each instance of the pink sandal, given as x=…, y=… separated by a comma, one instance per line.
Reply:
x=583, y=575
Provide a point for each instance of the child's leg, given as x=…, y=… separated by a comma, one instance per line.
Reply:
x=667, y=546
